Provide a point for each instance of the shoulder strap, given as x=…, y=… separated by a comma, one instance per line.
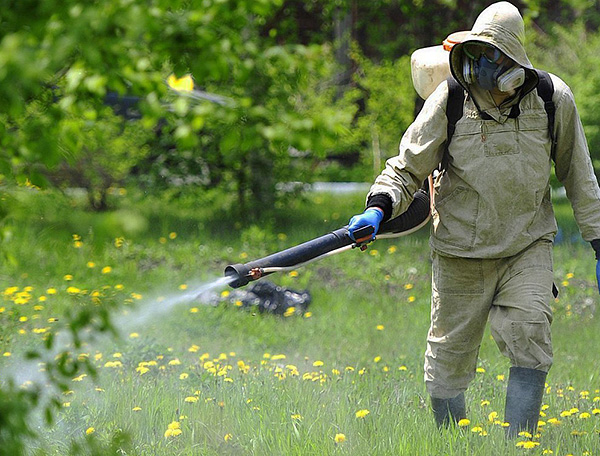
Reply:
x=454, y=111
x=545, y=90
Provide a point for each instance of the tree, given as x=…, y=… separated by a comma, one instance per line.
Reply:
x=62, y=57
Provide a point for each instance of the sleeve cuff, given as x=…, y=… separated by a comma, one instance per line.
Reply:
x=384, y=202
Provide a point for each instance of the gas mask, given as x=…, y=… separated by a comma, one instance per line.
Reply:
x=486, y=66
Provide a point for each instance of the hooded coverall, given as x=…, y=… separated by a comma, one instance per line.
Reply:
x=493, y=222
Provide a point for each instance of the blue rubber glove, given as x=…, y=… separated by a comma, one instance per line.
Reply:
x=370, y=217
x=598, y=274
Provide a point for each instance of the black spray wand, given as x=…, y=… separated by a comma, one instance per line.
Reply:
x=331, y=243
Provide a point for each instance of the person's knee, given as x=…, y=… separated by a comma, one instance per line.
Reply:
x=449, y=372
x=527, y=343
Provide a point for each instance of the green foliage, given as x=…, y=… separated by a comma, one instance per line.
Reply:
x=63, y=57
x=573, y=58
x=389, y=100
x=15, y=409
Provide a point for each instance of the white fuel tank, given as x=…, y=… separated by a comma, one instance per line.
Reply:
x=431, y=65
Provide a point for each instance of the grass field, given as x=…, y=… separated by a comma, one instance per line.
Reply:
x=185, y=378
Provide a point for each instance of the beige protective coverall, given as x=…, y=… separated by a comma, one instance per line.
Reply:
x=493, y=223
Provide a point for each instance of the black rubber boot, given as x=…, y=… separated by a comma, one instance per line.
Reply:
x=448, y=411
x=523, y=400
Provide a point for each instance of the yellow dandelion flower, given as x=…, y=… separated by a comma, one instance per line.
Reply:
x=289, y=311
x=106, y=270
x=194, y=310
x=276, y=357
x=7, y=354
x=528, y=444
x=293, y=274
x=191, y=399
x=392, y=249
x=408, y=286
x=137, y=409
x=362, y=413
x=477, y=429
x=68, y=277
x=134, y=335
x=172, y=235
x=339, y=438
x=296, y=416
x=480, y=370
x=90, y=430
x=377, y=359
x=174, y=362
x=492, y=416
x=183, y=376
x=142, y=370
x=51, y=291
x=66, y=404
x=318, y=364
x=464, y=422
x=380, y=327
x=308, y=315
x=73, y=290
x=91, y=264
x=227, y=437
x=554, y=421
x=584, y=416
x=596, y=411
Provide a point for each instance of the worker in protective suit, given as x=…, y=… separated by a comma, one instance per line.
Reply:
x=493, y=223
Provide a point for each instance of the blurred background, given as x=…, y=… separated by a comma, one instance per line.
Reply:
x=242, y=102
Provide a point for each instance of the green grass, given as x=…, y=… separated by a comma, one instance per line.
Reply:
x=259, y=383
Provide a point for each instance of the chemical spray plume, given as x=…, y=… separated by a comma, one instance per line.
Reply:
x=154, y=308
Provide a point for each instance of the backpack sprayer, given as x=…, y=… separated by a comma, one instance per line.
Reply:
x=331, y=243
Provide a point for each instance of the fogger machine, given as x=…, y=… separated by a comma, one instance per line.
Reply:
x=331, y=243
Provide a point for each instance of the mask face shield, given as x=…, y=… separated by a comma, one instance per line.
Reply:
x=490, y=68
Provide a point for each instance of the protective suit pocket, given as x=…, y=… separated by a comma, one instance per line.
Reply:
x=455, y=217
x=457, y=276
